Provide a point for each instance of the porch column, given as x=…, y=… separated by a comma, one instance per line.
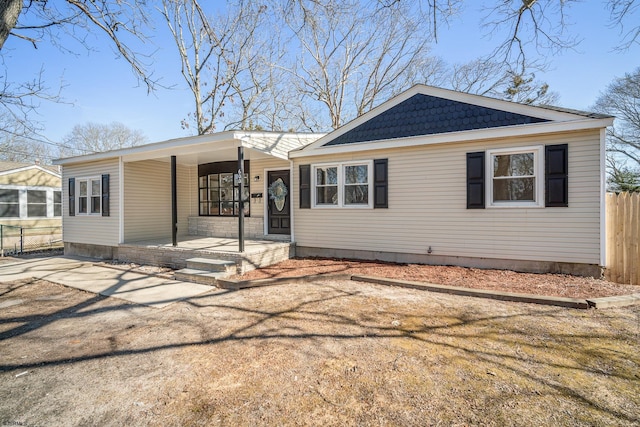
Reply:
x=174, y=203
x=241, y=199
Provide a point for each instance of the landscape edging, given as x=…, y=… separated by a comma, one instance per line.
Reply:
x=479, y=293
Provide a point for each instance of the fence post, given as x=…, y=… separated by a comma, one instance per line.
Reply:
x=21, y=240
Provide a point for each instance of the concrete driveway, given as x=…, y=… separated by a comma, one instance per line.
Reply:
x=81, y=273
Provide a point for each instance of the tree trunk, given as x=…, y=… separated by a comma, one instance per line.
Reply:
x=9, y=12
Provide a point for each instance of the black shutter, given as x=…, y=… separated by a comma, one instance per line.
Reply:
x=475, y=180
x=305, y=186
x=105, y=195
x=72, y=196
x=380, y=186
x=556, y=171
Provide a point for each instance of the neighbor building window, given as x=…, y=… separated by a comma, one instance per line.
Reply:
x=57, y=203
x=342, y=185
x=9, y=204
x=89, y=196
x=515, y=177
x=36, y=203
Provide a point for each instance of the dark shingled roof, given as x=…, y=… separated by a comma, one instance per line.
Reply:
x=429, y=115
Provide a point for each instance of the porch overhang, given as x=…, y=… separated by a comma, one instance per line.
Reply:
x=201, y=149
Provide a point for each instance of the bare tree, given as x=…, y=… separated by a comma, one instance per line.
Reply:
x=538, y=29
x=122, y=22
x=621, y=12
x=492, y=78
x=622, y=100
x=353, y=54
x=95, y=137
x=221, y=60
x=18, y=144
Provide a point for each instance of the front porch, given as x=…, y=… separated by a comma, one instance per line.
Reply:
x=161, y=252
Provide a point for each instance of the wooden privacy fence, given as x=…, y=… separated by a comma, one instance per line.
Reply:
x=623, y=237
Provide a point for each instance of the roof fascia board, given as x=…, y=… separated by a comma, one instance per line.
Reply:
x=463, y=136
x=188, y=144
x=148, y=148
x=467, y=98
x=25, y=168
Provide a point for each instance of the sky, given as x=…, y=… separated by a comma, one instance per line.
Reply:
x=98, y=87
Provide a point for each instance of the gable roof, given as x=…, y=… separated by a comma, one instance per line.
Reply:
x=11, y=167
x=425, y=114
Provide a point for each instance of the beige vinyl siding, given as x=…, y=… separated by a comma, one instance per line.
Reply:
x=427, y=208
x=92, y=229
x=147, y=199
x=31, y=177
x=258, y=169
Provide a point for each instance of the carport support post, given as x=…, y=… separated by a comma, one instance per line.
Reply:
x=241, y=199
x=174, y=203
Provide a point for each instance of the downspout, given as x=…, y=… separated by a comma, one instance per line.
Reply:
x=120, y=201
x=603, y=201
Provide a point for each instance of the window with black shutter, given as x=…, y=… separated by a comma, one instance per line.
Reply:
x=380, y=183
x=475, y=180
x=556, y=175
x=305, y=186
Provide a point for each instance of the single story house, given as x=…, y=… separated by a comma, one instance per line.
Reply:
x=30, y=205
x=431, y=176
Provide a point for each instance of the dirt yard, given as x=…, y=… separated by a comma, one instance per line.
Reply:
x=329, y=352
x=501, y=280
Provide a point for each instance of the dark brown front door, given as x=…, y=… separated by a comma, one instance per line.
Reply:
x=279, y=196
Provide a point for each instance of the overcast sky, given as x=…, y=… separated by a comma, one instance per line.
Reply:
x=100, y=88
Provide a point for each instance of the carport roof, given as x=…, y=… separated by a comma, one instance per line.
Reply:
x=206, y=148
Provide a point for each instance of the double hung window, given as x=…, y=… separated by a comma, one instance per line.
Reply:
x=9, y=204
x=343, y=185
x=89, y=196
x=516, y=177
x=36, y=203
x=57, y=203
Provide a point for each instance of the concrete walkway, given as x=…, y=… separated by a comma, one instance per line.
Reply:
x=80, y=273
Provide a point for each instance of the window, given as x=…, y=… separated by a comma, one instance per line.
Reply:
x=57, y=203
x=327, y=185
x=342, y=185
x=220, y=194
x=9, y=204
x=515, y=177
x=89, y=196
x=356, y=185
x=36, y=203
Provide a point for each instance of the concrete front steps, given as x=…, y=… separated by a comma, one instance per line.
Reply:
x=206, y=271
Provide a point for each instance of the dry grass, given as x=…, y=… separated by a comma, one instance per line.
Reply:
x=324, y=353
x=502, y=280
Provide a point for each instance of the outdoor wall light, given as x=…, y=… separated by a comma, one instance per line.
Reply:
x=256, y=178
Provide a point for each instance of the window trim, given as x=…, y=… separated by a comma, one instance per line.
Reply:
x=17, y=203
x=89, y=195
x=538, y=167
x=23, y=202
x=31, y=204
x=341, y=185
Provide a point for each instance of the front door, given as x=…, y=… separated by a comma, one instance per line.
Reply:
x=279, y=208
